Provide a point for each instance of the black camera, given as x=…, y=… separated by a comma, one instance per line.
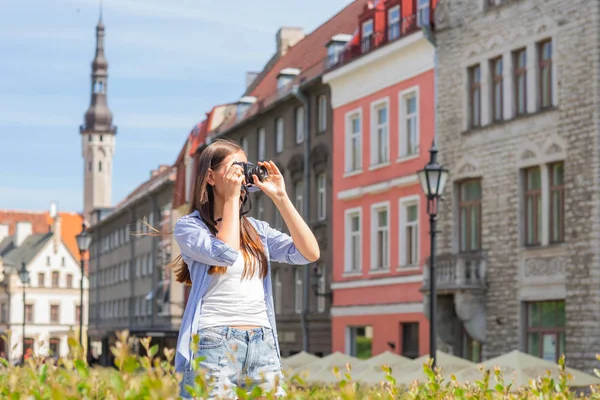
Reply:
x=251, y=169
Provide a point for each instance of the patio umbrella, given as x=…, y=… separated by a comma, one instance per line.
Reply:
x=373, y=366
x=297, y=360
x=413, y=371
x=321, y=370
x=520, y=368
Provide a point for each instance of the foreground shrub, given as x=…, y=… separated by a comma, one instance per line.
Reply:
x=151, y=377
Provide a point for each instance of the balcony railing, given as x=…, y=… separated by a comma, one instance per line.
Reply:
x=457, y=272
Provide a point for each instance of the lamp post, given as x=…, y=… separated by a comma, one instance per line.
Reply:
x=433, y=179
x=24, y=276
x=83, y=243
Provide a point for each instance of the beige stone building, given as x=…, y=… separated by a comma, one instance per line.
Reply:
x=518, y=255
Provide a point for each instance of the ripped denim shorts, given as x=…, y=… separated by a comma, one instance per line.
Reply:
x=237, y=358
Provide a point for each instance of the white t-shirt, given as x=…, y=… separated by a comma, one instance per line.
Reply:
x=233, y=301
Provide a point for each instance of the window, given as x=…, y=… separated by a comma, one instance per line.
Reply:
x=3, y=311
x=360, y=341
x=423, y=18
x=298, y=290
x=89, y=138
x=321, y=196
x=279, y=134
x=260, y=205
x=138, y=269
x=41, y=279
x=545, y=73
x=471, y=349
x=278, y=292
x=557, y=202
x=299, y=124
x=54, y=346
x=409, y=339
x=284, y=80
x=409, y=123
x=380, y=238
x=48, y=261
x=101, y=138
x=70, y=281
x=470, y=215
x=497, y=89
x=409, y=233
x=100, y=165
x=28, y=344
x=244, y=144
x=546, y=329
x=322, y=288
x=367, y=36
x=353, y=240
x=262, y=144
x=533, y=206
x=353, y=143
x=322, y=116
x=89, y=165
x=299, y=196
x=475, y=96
x=521, y=81
x=189, y=168
x=379, y=134
x=394, y=23
x=29, y=312
x=77, y=313
x=54, y=313
x=55, y=277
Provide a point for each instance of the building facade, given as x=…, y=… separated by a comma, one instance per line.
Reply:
x=518, y=128
x=52, y=303
x=382, y=97
x=131, y=286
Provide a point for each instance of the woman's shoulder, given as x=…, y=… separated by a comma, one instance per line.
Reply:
x=191, y=220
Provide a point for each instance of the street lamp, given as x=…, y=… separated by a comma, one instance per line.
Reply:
x=83, y=243
x=24, y=276
x=316, y=280
x=433, y=179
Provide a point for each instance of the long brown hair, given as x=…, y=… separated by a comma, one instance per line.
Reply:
x=203, y=201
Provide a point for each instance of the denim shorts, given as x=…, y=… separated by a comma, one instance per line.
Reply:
x=237, y=358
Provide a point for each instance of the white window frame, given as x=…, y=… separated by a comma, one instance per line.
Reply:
x=322, y=196
x=262, y=144
x=244, y=144
x=278, y=292
x=299, y=120
x=364, y=25
x=298, y=290
x=322, y=288
x=375, y=208
x=350, y=135
x=322, y=110
x=423, y=5
x=403, y=204
x=299, y=196
x=403, y=150
x=394, y=20
x=279, y=135
x=348, y=235
x=377, y=159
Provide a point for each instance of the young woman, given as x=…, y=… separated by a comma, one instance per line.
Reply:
x=225, y=257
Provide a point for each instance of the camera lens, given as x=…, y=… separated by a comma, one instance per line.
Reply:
x=259, y=171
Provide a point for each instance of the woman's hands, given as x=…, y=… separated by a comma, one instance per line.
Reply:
x=233, y=181
x=273, y=186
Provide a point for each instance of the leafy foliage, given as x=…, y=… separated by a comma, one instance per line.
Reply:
x=150, y=377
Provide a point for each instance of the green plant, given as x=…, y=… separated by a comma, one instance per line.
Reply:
x=151, y=377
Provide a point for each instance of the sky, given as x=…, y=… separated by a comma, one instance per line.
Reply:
x=169, y=63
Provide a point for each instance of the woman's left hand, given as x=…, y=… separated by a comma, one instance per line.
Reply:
x=273, y=186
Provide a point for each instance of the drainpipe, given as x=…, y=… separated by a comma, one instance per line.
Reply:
x=431, y=39
x=306, y=209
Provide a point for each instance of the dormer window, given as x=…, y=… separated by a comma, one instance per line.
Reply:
x=286, y=76
x=367, y=36
x=423, y=18
x=98, y=87
x=393, y=23
x=244, y=104
x=335, y=47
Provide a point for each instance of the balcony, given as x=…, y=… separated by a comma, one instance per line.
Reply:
x=457, y=272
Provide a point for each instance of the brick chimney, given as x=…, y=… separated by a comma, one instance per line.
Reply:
x=22, y=232
x=287, y=37
x=56, y=233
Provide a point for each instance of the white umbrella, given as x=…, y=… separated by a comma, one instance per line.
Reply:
x=371, y=371
x=297, y=360
x=321, y=370
x=413, y=371
x=520, y=368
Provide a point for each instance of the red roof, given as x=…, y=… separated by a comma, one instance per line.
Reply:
x=311, y=50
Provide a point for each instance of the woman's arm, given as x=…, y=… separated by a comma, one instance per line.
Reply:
x=303, y=238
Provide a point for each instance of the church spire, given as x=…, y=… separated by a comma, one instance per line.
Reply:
x=98, y=117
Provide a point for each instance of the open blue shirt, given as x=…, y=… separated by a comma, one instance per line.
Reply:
x=200, y=249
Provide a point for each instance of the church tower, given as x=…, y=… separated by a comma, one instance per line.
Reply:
x=98, y=135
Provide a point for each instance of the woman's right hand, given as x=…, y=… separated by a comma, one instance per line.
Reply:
x=233, y=181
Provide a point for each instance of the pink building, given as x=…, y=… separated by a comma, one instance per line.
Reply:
x=383, y=112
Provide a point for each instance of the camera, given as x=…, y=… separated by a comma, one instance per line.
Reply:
x=250, y=170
